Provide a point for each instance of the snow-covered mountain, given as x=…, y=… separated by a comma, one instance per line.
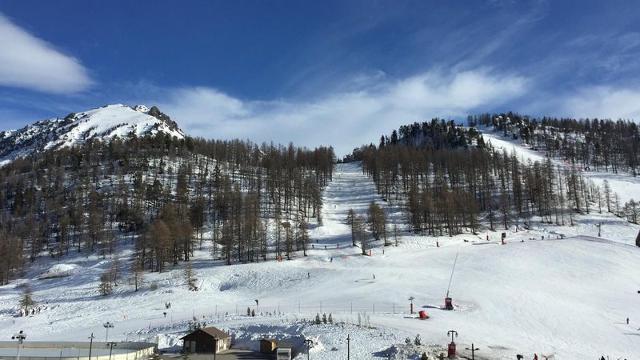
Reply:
x=104, y=123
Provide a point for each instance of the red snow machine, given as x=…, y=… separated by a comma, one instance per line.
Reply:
x=423, y=315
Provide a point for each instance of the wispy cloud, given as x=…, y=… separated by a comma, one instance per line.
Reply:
x=604, y=102
x=344, y=119
x=31, y=63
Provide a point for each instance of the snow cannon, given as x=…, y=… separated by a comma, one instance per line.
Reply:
x=423, y=315
x=448, y=303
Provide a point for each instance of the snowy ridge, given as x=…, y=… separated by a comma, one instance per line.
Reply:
x=104, y=124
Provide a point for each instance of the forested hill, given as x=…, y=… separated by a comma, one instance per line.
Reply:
x=101, y=124
x=163, y=190
x=436, y=134
x=593, y=144
x=451, y=182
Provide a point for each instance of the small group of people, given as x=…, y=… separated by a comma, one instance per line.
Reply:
x=521, y=357
x=34, y=310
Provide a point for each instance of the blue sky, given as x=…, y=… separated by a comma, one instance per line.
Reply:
x=318, y=72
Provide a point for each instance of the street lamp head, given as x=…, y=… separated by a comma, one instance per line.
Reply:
x=20, y=336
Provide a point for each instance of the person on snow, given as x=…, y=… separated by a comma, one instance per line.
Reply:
x=535, y=356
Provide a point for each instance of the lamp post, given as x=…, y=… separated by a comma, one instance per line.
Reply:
x=108, y=325
x=91, y=344
x=20, y=336
x=411, y=304
x=473, y=351
x=111, y=345
x=348, y=346
x=308, y=342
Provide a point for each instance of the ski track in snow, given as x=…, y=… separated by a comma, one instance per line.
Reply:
x=350, y=189
x=565, y=297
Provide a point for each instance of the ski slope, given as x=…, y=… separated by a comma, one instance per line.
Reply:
x=350, y=189
x=563, y=297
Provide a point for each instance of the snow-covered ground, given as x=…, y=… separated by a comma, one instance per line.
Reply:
x=565, y=297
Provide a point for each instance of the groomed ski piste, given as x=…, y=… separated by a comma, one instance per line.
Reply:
x=560, y=298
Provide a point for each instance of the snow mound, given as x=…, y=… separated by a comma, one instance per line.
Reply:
x=59, y=270
x=411, y=351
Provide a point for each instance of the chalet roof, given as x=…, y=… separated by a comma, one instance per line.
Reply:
x=212, y=331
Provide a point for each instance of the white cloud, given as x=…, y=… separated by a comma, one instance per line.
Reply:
x=604, y=102
x=31, y=63
x=344, y=119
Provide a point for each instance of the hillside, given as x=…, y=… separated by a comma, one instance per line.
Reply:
x=563, y=298
x=75, y=129
x=103, y=178
x=601, y=145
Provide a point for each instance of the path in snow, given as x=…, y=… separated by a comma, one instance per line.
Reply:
x=349, y=189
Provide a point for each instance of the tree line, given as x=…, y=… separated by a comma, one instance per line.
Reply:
x=450, y=180
x=163, y=194
x=591, y=144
